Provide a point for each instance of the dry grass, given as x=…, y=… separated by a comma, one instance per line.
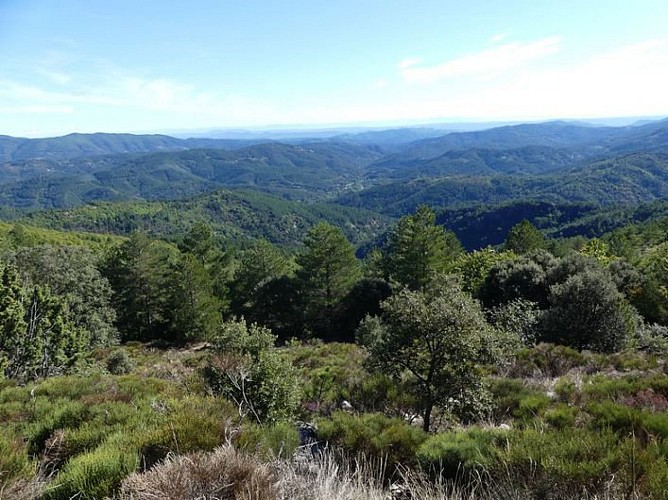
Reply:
x=224, y=474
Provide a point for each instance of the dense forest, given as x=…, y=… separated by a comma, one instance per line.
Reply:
x=398, y=315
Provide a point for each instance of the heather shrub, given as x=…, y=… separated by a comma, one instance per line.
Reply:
x=70, y=387
x=97, y=474
x=59, y=414
x=507, y=395
x=14, y=461
x=458, y=454
x=119, y=363
x=377, y=392
x=547, y=360
x=269, y=441
x=561, y=416
x=532, y=406
x=373, y=435
x=568, y=463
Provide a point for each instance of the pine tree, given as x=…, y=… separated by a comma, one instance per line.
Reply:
x=328, y=270
x=419, y=249
x=524, y=238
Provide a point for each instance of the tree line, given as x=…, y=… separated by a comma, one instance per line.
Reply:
x=419, y=298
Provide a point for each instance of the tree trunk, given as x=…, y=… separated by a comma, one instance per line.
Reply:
x=427, y=416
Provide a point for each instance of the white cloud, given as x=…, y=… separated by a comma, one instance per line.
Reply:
x=488, y=62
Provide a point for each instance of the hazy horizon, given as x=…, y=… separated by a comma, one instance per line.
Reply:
x=152, y=67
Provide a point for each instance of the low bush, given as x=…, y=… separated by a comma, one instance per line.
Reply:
x=506, y=394
x=568, y=463
x=546, y=360
x=97, y=474
x=458, y=454
x=373, y=435
x=14, y=462
x=270, y=441
x=52, y=415
x=119, y=363
x=561, y=416
x=532, y=406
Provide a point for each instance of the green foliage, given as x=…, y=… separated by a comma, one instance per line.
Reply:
x=474, y=267
x=195, y=310
x=249, y=371
x=373, y=435
x=519, y=318
x=436, y=338
x=97, y=474
x=119, y=362
x=526, y=277
x=72, y=274
x=459, y=454
x=548, y=360
x=139, y=273
x=569, y=461
x=258, y=265
x=507, y=395
x=589, y=313
x=524, y=238
x=532, y=406
x=14, y=462
x=36, y=337
x=561, y=416
x=418, y=249
x=269, y=441
x=327, y=270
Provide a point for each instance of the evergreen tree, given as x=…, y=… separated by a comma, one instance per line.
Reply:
x=418, y=249
x=200, y=243
x=35, y=337
x=196, y=310
x=139, y=272
x=328, y=270
x=259, y=265
x=524, y=238
x=72, y=274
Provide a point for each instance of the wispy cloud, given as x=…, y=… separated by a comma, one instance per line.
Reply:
x=488, y=62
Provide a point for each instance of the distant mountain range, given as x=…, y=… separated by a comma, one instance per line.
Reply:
x=378, y=173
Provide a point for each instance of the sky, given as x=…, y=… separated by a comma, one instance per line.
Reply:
x=158, y=66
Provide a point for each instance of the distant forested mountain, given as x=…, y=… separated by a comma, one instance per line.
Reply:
x=301, y=172
x=238, y=215
x=626, y=179
x=479, y=226
x=16, y=149
x=557, y=172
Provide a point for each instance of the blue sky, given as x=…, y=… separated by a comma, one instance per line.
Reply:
x=150, y=66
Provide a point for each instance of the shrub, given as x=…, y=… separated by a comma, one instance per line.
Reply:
x=547, y=360
x=119, y=363
x=97, y=474
x=458, y=454
x=66, y=415
x=561, y=416
x=373, y=435
x=249, y=371
x=278, y=440
x=223, y=473
x=506, y=396
x=568, y=463
x=14, y=462
x=532, y=406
